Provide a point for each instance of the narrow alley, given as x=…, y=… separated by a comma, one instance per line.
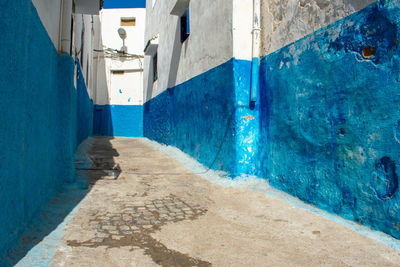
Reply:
x=199, y=133
x=144, y=208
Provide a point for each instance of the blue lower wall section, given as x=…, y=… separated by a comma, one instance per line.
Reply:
x=330, y=118
x=325, y=128
x=118, y=120
x=84, y=111
x=38, y=122
x=198, y=117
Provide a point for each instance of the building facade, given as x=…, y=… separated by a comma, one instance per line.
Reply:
x=119, y=84
x=302, y=93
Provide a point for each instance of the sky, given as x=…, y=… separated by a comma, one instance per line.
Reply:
x=124, y=4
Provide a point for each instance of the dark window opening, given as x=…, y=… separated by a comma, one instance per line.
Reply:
x=185, y=26
x=118, y=72
x=155, y=69
x=131, y=21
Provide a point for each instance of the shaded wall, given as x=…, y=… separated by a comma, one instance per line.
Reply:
x=198, y=117
x=330, y=117
x=84, y=108
x=118, y=120
x=38, y=122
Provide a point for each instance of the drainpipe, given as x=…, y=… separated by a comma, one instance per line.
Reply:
x=255, y=66
x=65, y=26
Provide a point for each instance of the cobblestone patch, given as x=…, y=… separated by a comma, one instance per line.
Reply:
x=143, y=218
x=134, y=224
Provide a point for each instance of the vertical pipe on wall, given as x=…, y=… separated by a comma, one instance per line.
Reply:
x=255, y=68
x=65, y=26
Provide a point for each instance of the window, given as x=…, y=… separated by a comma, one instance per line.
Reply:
x=118, y=72
x=155, y=68
x=185, y=26
x=128, y=21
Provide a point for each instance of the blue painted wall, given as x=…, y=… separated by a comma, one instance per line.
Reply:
x=209, y=118
x=198, y=117
x=118, y=120
x=85, y=109
x=325, y=128
x=38, y=122
x=330, y=118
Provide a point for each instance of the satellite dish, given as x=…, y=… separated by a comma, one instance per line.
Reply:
x=122, y=33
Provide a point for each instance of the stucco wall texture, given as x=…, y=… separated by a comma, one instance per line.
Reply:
x=325, y=127
x=209, y=44
x=330, y=120
x=203, y=127
x=38, y=133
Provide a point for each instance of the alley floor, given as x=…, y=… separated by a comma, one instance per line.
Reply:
x=144, y=208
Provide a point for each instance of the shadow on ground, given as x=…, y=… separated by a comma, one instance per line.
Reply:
x=94, y=161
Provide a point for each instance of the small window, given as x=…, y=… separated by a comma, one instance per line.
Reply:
x=185, y=26
x=155, y=68
x=128, y=21
x=118, y=72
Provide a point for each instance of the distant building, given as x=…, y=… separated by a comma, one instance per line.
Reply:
x=119, y=85
x=302, y=93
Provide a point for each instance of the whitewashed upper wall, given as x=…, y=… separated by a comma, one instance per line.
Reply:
x=127, y=88
x=242, y=27
x=209, y=44
x=286, y=21
x=111, y=22
x=49, y=13
x=82, y=47
x=84, y=32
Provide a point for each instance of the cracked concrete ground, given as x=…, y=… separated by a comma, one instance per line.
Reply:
x=143, y=208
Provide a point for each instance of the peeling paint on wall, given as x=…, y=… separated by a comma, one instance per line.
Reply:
x=326, y=128
x=329, y=117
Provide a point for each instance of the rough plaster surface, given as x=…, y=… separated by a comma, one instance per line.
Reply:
x=38, y=103
x=217, y=102
x=177, y=218
x=324, y=128
x=286, y=21
x=209, y=43
x=330, y=121
x=205, y=101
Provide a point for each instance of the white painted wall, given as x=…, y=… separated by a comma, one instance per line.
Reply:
x=127, y=88
x=242, y=26
x=222, y=29
x=209, y=44
x=111, y=20
x=286, y=21
x=50, y=15
x=117, y=89
x=85, y=29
